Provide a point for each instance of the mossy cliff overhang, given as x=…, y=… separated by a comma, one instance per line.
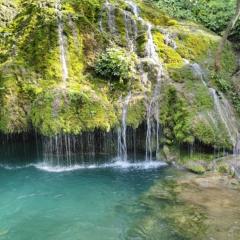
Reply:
x=32, y=93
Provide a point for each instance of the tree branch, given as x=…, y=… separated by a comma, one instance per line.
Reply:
x=227, y=32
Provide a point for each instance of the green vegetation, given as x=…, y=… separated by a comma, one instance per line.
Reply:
x=175, y=118
x=213, y=14
x=102, y=70
x=115, y=64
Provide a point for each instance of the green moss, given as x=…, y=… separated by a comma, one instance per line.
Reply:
x=183, y=74
x=169, y=56
x=175, y=117
x=72, y=111
x=32, y=92
x=204, y=132
x=194, y=46
x=224, y=169
x=156, y=17
x=203, y=99
x=224, y=81
x=196, y=156
x=121, y=28
x=195, y=167
x=15, y=106
x=141, y=40
x=209, y=134
x=136, y=112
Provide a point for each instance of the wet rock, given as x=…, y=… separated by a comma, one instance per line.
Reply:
x=192, y=207
x=196, y=167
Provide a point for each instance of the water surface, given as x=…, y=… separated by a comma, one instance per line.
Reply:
x=93, y=203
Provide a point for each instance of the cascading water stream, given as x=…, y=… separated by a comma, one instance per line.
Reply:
x=152, y=102
x=222, y=106
x=110, y=17
x=199, y=72
x=56, y=147
x=122, y=136
x=133, y=7
x=131, y=31
x=223, y=115
x=153, y=105
x=63, y=54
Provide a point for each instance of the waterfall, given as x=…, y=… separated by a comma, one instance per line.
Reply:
x=63, y=60
x=153, y=124
x=131, y=19
x=58, y=150
x=110, y=9
x=152, y=105
x=150, y=46
x=122, y=139
x=199, y=73
x=222, y=107
x=133, y=7
x=237, y=147
x=223, y=114
x=131, y=31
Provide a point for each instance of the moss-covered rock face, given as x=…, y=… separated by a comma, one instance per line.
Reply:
x=41, y=38
x=79, y=109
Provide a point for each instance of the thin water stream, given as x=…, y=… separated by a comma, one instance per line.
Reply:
x=131, y=19
x=122, y=131
x=63, y=60
x=222, y=107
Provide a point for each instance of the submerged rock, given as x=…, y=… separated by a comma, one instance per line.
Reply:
x=191, y=207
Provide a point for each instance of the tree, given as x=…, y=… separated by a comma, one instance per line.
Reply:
x=227, y=32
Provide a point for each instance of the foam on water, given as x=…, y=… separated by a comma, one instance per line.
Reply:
x=9, y=167
x=120, y=164
x=138, y=165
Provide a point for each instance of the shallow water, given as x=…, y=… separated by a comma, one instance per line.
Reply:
x=94, y=201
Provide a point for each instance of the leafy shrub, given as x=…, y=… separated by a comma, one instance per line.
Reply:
x=214, y=14
x=115, y=64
